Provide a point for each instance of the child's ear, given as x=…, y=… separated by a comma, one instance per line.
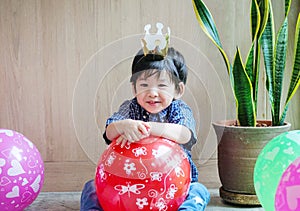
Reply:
x=180, y=91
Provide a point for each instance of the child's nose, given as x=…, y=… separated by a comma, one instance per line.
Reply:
x=153, y=92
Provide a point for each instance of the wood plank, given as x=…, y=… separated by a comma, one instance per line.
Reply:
x=70, y=201
x=67, y=176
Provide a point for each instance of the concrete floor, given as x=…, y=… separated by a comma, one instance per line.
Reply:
x=65, y=201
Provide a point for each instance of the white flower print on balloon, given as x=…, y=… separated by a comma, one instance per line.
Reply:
x=128, y=167
x=141, y=202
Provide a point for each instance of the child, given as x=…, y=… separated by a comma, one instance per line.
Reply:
x=158, y=82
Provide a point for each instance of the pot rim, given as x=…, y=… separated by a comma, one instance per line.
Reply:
x=228, y=124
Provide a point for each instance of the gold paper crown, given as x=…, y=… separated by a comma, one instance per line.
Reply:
x=156, y=44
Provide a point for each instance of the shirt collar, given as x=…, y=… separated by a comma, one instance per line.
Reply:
x=146, y=116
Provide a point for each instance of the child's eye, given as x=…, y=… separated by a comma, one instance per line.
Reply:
x=144, y=85
x=162, y=85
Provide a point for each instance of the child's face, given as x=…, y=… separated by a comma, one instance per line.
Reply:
x=156, y=92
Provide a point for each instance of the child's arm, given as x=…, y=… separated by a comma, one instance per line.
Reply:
x=176, y=132
x=127, y=130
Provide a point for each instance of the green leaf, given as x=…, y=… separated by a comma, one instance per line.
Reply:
x=208, y=25
x=263, y=6
x=280, y=59
x=250, y=63
x=268, y=45
x=252, y=70
x=255, y=19
x=287, y=5
x=243, y=93
x=295, y=77
x=259, y=15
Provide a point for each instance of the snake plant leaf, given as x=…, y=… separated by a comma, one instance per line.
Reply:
x=295, y=77
x=255, y=19
x=258, y=17
x=252, y=54
x=268, y=45
x=250, y=62
x=287, y=5
x=280, y=59
x=252, y=71
x=259, y=9
x=243, y=93
x=208, y=25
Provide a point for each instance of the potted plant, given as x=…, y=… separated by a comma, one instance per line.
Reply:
x=241, y=140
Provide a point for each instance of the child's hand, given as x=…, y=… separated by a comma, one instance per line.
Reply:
x=132, y=131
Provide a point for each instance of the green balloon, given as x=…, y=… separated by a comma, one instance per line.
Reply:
x=271, y=163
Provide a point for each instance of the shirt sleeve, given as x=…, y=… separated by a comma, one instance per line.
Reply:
x=182, y=114
x=122, y=113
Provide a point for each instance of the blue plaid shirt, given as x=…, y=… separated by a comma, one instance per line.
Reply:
x=178, y=112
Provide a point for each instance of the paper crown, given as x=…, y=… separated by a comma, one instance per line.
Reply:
x=156, y=44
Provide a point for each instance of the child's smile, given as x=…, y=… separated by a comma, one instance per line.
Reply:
x=153, y=103
x=156, y=92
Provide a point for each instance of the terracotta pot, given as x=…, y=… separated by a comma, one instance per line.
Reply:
x=238, y=149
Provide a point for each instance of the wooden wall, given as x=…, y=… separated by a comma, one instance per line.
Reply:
x=65, y=67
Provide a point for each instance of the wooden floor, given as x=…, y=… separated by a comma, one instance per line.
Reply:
x=67, y=201
x=71, y=176
x=64, y=182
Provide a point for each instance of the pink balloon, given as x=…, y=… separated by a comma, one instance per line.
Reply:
x=288, y=191
x=21, y=171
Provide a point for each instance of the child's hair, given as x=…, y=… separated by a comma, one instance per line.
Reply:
x=151, y=64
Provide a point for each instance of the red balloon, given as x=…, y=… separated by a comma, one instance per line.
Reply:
x=152, y=174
